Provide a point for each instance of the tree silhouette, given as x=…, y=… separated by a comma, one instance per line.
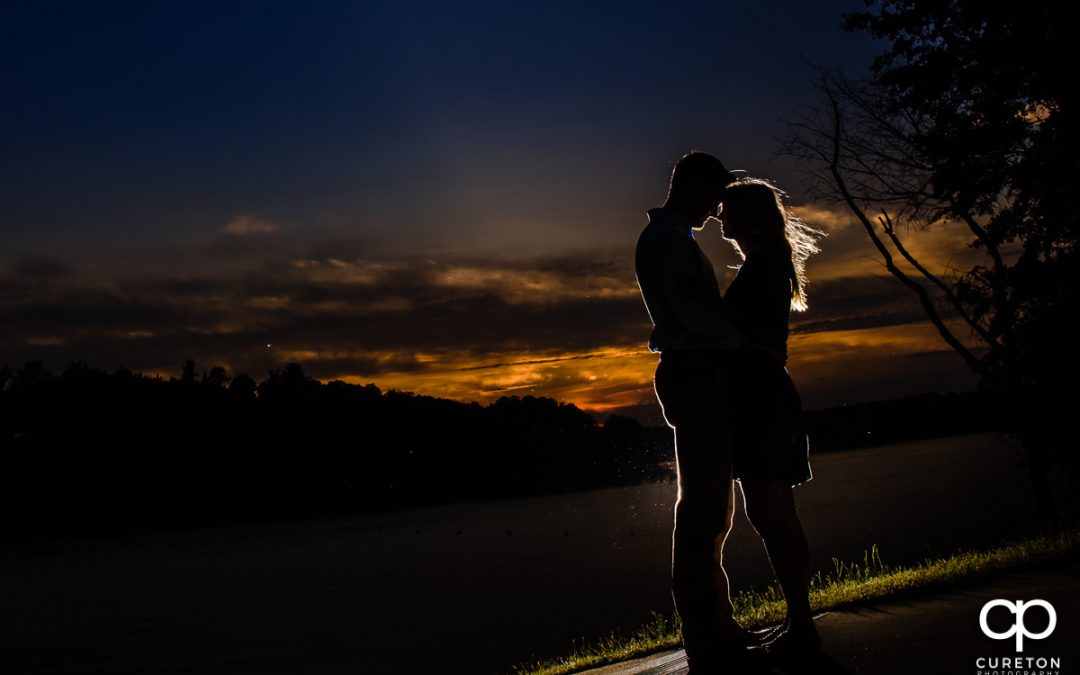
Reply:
x=31, y=372
x=187, y=373
x=967, y=121
x=242, y=387
x=215, y=378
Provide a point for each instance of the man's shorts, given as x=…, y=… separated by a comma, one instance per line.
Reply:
x=692, y=385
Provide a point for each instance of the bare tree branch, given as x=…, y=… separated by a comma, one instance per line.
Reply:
x=924, y=298
x=887, y=227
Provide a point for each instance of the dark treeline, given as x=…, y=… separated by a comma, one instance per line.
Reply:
x=88, y=452
x=91, y=452
x=912, y=418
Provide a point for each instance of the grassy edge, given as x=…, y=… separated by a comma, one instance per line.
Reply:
x=846, y=585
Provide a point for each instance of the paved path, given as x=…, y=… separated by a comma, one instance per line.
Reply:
x=937, y=632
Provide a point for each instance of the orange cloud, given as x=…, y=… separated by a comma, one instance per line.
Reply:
x=880, y=362
x=828, y=217
x=829, y=366
x=599, y=380
x=520, y=283
x=943, y=248
x=247, y=224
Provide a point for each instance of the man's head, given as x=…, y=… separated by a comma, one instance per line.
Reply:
x=697, y=184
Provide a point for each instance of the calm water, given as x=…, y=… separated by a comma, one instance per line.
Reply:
x=461, y=589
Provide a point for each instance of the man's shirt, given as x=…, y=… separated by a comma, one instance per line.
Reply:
x=679, y=287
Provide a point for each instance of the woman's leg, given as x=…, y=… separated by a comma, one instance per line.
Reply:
x=770, y=507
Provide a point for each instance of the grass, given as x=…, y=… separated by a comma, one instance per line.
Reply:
x=847, y=584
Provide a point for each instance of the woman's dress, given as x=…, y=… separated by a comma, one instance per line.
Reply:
x=769, y=441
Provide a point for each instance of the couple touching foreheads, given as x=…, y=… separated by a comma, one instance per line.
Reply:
x=725, y=391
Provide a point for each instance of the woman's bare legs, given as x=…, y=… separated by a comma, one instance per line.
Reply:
x=770, y=507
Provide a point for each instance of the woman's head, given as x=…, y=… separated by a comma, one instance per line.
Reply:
x=753, y=216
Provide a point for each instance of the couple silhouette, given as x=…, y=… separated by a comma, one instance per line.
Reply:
x=724, y=389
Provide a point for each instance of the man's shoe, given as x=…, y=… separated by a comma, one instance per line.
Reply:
x=735, y=634
x=792, y=651
x=763, y=636
x=729, y=659
x=795, y=642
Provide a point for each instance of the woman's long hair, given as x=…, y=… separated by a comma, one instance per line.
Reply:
x=758, y=205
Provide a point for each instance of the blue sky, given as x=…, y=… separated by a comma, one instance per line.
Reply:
x=136, y=122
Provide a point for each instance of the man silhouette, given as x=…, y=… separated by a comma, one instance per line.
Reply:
x=695, y=340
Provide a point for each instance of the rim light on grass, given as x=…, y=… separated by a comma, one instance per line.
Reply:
x=846, y=585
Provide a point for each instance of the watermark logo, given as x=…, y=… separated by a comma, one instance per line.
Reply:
x=1018, y=628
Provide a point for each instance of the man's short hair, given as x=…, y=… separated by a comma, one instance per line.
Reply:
x=699, y=168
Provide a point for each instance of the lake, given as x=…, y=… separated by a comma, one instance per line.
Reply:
x=468, y=588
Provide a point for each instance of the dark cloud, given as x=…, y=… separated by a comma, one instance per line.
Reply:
x=851, y=303
x=532, y=325
x=872, y=377
x=40, y=267
x=89, y=313
x=358, y=317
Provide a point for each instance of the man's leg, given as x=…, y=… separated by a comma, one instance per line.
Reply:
x=695, y=401
x=731, y=630
x=702, y=516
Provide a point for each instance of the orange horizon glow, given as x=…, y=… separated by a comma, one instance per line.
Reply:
x=611, y=378
x=604, y=380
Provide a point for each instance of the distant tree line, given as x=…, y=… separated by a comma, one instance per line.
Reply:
x=93, y=452
x=88, y=452
x=912, y=418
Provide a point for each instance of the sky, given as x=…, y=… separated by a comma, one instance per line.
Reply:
x=434, y=197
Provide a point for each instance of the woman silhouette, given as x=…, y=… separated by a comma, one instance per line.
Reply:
x=770, y=449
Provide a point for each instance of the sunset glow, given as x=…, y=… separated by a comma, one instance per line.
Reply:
x=573, y=327
x=414, y=215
